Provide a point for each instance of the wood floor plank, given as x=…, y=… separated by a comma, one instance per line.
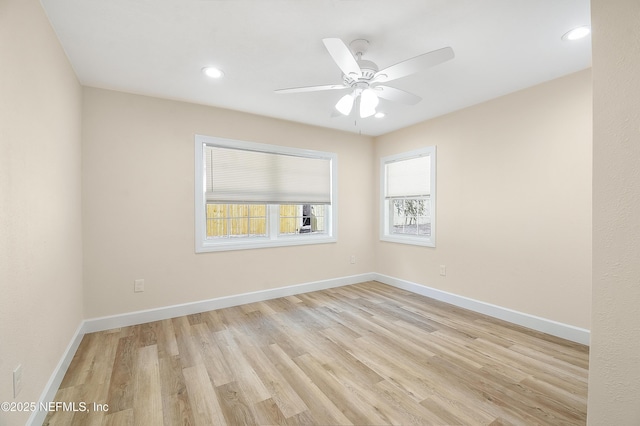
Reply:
x=103, y=362
x=205, y=407
x=148, y=333
x=176, y=408
x=321, y=406
x=349, y=402
x=344, y=361
x=268, y=413
x=147, y=398
x=214, y=321
x=212, y=357
x=235, y=408
x=285, y=397
x=414, y=414
x=62, y=417
x=190, y=355
x=391, y=369
x=83, y=359
x=121, y=385
x=364, y=393
x=360, y=354
x=118, y=418
x=166, y=340
x=243, y=372
x=457, y=405
x=441, y=413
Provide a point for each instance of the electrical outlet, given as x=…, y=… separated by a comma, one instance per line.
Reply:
x=443, y=270
x=17, y=380
x=353, y=259
x=138, y=286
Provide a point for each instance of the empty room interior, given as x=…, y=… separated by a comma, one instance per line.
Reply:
x=143, y=281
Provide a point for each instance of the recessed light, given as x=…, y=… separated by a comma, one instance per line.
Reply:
x=379, y=115
x=212, y=72
x=577, y=33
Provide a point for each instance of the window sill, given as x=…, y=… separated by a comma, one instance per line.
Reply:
x=258, y=243
x=411, y=240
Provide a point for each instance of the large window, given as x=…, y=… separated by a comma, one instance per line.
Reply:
x=251, y=195
x=408, y=196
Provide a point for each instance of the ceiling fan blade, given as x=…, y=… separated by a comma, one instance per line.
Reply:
x=397, y=95
x=342, y=56
x=311, y=88
x=414, y=65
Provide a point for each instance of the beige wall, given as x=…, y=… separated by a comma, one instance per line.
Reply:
x=513, y=202
x=614, y=377
x=138, y=205
x=40, y=210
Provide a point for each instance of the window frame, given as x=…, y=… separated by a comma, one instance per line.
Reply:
x=273, y=237
x=385, y=205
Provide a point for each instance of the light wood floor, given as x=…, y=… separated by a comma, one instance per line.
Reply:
x=361, y=354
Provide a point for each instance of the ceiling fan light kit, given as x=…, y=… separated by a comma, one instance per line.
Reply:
x=364, y=78
x=345, y=104
x=368, y=103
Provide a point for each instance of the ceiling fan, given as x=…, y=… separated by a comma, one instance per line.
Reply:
x=365, y=80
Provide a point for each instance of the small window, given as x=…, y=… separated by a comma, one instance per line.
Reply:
x=251, y=195
x=408, y=188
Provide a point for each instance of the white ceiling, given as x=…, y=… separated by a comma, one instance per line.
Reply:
x=158, y=48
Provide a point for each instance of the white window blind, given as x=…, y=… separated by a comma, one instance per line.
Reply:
x=408, y=178
x=245, y=176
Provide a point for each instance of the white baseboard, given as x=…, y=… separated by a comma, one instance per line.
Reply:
x=140, y=317
x=554, y=328
x=91, y=325
x=48, y=394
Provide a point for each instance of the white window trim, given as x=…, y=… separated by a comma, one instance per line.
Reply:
x=204, y=245
x=384, y=219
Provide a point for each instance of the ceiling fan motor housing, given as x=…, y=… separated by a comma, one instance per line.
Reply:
x=368, y=69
